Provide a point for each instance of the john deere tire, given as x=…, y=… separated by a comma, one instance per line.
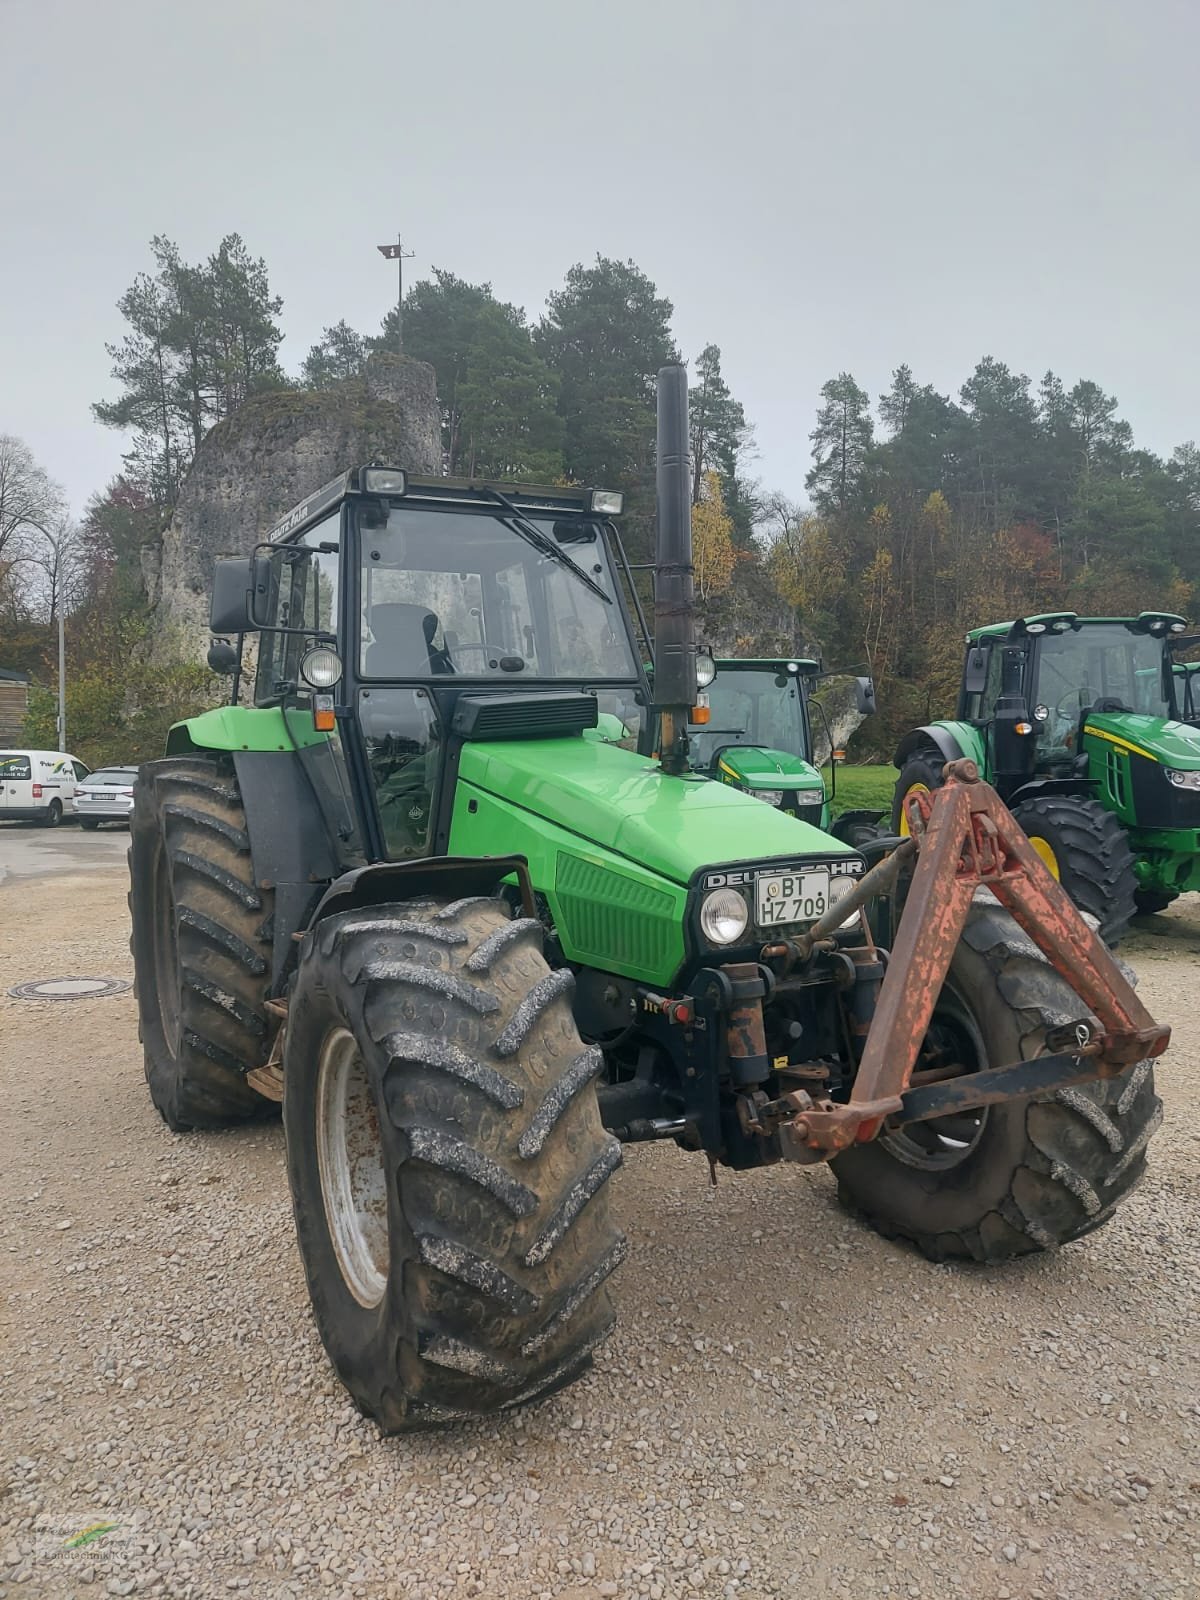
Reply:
x=1088, y=851
x=922, y=770
x=201, y=944
x=1011, y=1179
x=1150, y=901
x=447, y=1162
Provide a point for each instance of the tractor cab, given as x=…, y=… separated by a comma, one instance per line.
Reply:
x=756, y=734
x=1035, y=685
x=396, y=614
x=1080, y=724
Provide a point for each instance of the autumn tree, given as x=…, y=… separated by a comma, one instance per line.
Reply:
x=713, y=554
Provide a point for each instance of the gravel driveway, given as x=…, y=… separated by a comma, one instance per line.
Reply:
x=790, y=1406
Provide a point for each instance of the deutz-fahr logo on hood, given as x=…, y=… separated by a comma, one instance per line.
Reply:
x=744, y=877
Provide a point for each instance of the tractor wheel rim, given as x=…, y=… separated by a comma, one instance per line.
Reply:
x=913, y=788
x=944, y=1142
x=350, y=1162
x=1049, y=859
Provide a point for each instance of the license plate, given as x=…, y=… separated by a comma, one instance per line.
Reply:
x=783, y=897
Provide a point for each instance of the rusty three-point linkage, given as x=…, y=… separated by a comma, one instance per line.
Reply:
x=965, y=838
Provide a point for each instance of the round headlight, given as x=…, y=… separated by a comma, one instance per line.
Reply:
x=706, y=670
x=320, y=667
x=838, y=890
x=723, y=916
x=773, y=797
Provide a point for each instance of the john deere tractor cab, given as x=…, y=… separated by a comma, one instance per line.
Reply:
x=1075, y=721
x=756, y=734
x=474, y=946
x=754, y=731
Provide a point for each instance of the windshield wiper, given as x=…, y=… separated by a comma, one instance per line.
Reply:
x=533, y=535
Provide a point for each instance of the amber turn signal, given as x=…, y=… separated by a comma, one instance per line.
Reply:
x=324, y=720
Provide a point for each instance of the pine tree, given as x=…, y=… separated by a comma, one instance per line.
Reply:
x=840, y=442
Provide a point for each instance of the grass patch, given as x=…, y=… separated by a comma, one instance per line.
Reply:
x=864, y=789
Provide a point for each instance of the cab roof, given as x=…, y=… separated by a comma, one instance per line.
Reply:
x=560, y=498
x=1071, y=621
x=804, y=664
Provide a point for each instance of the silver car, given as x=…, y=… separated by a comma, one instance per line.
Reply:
x=105, y=796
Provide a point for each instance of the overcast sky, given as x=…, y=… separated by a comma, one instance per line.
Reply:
x=817, y=187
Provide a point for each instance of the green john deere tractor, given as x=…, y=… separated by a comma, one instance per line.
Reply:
x=419, y=892
x=1075, y=720
x=756, y=732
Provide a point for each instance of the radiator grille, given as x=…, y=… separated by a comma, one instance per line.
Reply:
x=608, y=916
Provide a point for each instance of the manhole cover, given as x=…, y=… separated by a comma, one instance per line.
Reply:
x=68, y=989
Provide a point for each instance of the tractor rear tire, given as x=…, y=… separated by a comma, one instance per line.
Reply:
x=1151, y=901
x=448, y=1167
x=201, y=944
x=1031, y=1174
x=922, y=770
x=857, y=828
x=1088, y=851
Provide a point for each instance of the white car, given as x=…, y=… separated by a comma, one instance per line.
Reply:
x=37, y=785
x=105, y=796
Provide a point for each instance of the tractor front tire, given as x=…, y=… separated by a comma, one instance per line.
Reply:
x=200, y=942
x=448, y=1167
x=1018, y=1177
x=1088, y=851
x=921, y=772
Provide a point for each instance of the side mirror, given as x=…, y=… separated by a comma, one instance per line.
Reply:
x=222, y=658
x=229, y=607
x=864, y=696
x=976, y=670
x=262, y=577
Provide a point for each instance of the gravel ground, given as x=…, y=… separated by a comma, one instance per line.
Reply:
x=790, y=1405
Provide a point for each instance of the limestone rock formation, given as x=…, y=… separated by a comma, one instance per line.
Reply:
x=256, y=464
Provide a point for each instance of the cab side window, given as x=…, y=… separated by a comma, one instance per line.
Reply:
x=982, y=707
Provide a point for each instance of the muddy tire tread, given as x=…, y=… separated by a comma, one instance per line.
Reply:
x=502, y=1256
x=1085, y=1146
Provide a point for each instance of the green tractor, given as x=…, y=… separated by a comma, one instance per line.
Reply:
x=756, y=732
x=1075, y=720
x=420, y=893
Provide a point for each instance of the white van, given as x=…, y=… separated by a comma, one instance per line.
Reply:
x=38, y=785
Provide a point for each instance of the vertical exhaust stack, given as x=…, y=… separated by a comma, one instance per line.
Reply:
x=674, y=595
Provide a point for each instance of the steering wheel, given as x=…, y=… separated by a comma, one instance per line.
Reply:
x=484, y=649
x=1071, y=712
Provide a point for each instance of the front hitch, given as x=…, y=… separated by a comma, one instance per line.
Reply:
x=965, y=838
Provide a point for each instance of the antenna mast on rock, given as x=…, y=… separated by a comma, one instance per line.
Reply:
x=397, y=253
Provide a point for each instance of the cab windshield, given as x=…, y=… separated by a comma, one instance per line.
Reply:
x=754, y=706
x=463, y=594
x=1102, y=667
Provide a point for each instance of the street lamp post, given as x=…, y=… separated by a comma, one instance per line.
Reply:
x=62, y=684
x=397, y=253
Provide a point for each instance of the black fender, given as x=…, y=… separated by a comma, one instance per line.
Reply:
x=932, y=734
x=290, y=846
x=446, y=877
x=1083, y=787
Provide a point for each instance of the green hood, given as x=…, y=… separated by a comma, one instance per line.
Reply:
x=759, y=768
x=624, y=803
x=1174, y=744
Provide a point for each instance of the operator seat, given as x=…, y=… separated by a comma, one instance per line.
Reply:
x=403, y=645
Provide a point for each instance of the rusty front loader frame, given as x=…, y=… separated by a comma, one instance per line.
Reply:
x=964, y=838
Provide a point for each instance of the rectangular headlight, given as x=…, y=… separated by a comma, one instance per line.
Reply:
x=1182, y=780
x=384, y=480
x=607, y=502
